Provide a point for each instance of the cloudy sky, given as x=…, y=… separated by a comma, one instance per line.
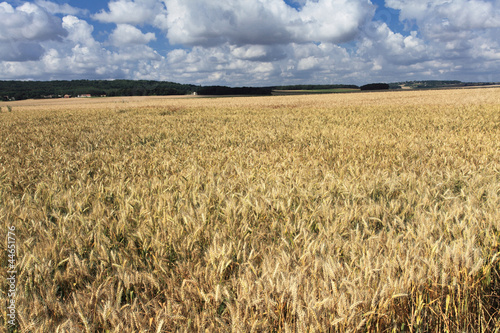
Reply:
x=251, y=42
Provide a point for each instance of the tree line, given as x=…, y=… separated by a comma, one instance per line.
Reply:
x=46, y=89
x=19, y=90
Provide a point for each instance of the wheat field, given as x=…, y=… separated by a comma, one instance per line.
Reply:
x=366, y=212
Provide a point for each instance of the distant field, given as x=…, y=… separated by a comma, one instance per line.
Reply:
x=376, y=212
x=314, y=91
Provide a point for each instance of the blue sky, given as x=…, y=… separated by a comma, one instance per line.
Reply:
x=251, y=42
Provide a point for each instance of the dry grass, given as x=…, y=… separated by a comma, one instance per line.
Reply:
x=333, y=213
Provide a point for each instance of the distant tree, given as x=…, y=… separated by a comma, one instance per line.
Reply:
x=375, y=86
x=315, y=87
x=37, y=89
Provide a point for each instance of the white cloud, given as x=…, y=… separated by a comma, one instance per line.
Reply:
x=224, y=64
x=334, y=21
x=55, y=8
x=80, y=55
x=308, y=63
x=135, y=12
x=28, y=22
x=238, y=22
x=250, y=52
x=129, y=55
x=79, y=31
x=75, y=56
x=261, y=53
x=381, y=43
x=445, y=19
x=264, y=22
x=216, y=65
x=22, y=29
x=126, y=34
x=20, y=51
x=461, y=36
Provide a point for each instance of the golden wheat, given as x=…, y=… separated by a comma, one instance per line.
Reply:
x=369, y=212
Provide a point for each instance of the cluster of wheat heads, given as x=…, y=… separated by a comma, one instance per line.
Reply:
x=334, y=213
